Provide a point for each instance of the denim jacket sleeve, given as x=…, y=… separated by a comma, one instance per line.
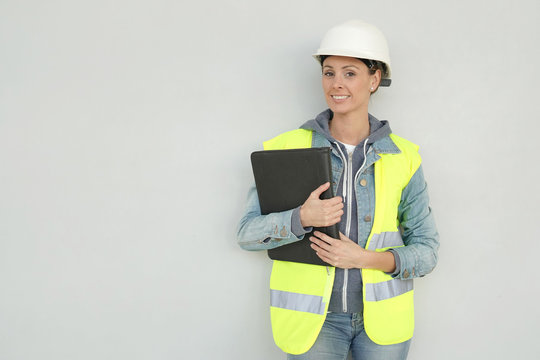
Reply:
x=263, y=232
x=419, y=255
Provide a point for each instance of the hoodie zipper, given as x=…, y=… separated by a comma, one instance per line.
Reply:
x=347, y=161
x=347, y=191
x=347, y=228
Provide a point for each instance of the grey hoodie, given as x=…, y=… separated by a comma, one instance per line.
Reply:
x=347, y=290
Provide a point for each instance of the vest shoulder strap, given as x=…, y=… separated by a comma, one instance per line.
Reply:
x=294, y=139
x=409, y=151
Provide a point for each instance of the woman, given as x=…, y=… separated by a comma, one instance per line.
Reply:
x=363, y=303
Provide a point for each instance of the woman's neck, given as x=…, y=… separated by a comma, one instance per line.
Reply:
x=349, y=130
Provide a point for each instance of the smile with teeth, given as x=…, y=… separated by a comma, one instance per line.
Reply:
x=340, y=97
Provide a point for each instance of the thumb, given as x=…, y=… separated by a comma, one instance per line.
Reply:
x=343, y=237
x=318, y=191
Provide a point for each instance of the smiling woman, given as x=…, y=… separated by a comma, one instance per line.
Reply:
x=364, y=301
x=348, y=84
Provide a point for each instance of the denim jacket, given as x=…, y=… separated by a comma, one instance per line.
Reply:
x=419, y=255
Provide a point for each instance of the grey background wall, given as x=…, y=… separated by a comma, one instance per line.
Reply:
x=125, y=133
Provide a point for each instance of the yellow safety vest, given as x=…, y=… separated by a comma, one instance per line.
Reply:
x=300, y=293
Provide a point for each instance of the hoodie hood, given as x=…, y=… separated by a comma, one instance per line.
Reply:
x=378, y=129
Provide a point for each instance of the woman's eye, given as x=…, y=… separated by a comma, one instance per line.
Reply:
x=349, y=74
x=328, y=73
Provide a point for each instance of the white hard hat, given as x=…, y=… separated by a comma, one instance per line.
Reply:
x=357, y=39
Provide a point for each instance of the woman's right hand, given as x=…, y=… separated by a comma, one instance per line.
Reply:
x=320, y=213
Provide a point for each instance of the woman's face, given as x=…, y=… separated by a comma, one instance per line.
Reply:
x=347, y=85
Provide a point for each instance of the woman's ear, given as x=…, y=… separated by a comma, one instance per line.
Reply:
x=375, y=80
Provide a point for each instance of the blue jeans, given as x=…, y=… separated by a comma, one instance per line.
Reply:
x=343, y=332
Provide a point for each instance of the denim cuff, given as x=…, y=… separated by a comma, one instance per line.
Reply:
x=398, y=264
x=296, y=225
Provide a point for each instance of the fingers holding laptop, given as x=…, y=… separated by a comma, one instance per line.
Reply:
x=317, y=212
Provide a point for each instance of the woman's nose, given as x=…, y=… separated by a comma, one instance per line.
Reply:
x=337, y=84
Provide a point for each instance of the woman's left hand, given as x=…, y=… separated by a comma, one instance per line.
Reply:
x=344, y=253
x=347, y=254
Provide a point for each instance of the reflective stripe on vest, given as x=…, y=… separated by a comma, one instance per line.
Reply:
x=385, y=240
x=300, y=293
x=294, y=301
x=387, y=289
x=392, y=287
